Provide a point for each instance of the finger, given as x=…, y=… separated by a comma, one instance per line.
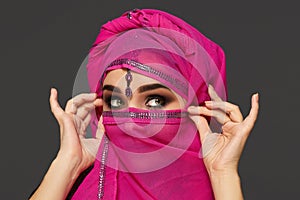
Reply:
x=100, y=128
x=78, y=100
x=98, y=102
x=251, y=118
x=199, y=110
x=86, y=108
x=233, y=111
x=219, y=115
x=213, y=94
x=55, y=107
x=87, y=121
x=79, y=125
x=202, y=126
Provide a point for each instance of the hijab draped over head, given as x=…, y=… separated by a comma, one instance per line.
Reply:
x=152, y=154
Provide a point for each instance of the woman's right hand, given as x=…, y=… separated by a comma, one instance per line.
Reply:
x=73, y=122
x=76, y=152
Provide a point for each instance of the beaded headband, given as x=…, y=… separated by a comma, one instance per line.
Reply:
x=179, y=84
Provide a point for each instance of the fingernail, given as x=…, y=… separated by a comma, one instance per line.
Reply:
x=257, y=96
x=52, y=90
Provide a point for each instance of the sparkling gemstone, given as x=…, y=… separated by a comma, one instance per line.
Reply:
x=128, y=92
x=128, y=77
x=129, y=15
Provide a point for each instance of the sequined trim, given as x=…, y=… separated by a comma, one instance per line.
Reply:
x=145, y=115
x=102, y=170
x=174, y=81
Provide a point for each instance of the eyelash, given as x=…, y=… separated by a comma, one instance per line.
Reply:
x=162, y=100
x=156, y=97
x=108, y=100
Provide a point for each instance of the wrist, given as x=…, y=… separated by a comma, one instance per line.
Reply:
x=68, y=163
x=226, y=184
x=59, y=178
x=223, y=172
x=222, y=176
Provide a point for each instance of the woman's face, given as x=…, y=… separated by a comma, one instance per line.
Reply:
x=147, y=93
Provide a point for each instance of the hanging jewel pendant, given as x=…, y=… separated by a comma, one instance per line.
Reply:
x=128, y=78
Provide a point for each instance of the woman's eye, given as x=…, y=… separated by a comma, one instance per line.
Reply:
x=115, y=102
x=155, y=102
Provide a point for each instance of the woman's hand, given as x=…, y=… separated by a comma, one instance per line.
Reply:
x=73, y=122
x=221, y=151
x=76, y=152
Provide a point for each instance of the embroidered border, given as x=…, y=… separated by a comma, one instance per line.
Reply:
x=145, y=115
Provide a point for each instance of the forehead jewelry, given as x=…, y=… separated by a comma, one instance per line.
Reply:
x=128, y=78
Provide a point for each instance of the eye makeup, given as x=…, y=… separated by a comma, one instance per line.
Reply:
x=155, y=102
x=150, y=97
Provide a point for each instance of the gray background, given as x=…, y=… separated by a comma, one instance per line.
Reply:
x=44, y=42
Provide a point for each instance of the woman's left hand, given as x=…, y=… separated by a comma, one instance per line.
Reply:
x=221, y=151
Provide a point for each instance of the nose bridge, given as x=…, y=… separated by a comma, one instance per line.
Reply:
x=132, y=103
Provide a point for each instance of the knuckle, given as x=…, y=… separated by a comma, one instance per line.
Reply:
x=87, y=108
x=235, y=108
x=83, y=97
x=70, y=102
x=200, y=109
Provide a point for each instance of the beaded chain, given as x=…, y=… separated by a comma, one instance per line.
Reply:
x=102, y=169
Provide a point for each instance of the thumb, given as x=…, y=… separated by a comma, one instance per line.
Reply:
x=100, y=129
x=202, y=126
x=54, y=105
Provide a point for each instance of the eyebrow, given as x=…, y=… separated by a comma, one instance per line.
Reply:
x=111, y=88
x=141, y=89
x=146, y=88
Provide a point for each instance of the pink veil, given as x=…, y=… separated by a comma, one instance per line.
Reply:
x=184, y=60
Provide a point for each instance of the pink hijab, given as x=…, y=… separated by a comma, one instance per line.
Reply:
x=152, y=154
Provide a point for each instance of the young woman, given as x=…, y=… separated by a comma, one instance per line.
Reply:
x=163, y=127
